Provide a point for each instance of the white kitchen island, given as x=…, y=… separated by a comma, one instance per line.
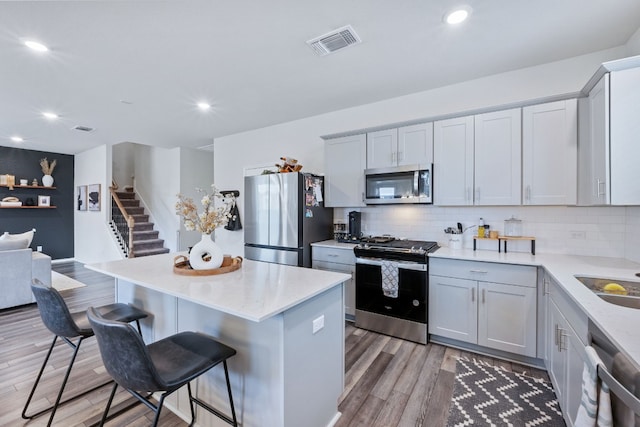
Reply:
x=286, y=324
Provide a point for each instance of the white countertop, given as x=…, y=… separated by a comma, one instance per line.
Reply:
x=620, y=324
x=257, y=291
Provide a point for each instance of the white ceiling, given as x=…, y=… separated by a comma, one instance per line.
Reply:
x=249, y=60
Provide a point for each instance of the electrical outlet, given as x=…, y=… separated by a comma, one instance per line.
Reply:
x=39, y=248
x=318, y=324
x=580, y=235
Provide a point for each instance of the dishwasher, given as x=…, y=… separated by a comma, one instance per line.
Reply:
x=622, y=377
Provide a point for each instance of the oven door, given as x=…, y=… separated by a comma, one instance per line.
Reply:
x=411, y=303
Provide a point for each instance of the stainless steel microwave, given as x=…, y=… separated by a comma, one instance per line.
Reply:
x=402, y=184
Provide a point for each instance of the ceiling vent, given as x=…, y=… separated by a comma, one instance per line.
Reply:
x=333, y=41
x=83, y=128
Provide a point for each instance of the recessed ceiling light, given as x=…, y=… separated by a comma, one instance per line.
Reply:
x=16, y=139
x=50, y=115
x=457, y=15
x=37, y=46
x=203, y=106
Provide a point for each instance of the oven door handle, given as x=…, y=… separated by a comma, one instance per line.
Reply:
x=404, y=265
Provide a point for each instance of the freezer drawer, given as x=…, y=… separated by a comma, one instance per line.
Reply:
x=276, y=256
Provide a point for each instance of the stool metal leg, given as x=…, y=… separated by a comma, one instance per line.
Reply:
x=58, y=402
x=233, y=421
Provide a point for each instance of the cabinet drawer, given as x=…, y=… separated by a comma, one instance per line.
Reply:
x=522, y=275
x=569, y=309
x=336, y=255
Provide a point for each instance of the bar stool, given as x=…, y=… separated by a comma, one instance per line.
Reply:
x=163, y=366
x=67, y=326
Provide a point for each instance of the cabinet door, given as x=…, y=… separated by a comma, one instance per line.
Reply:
x=345, y=162
x=453, y=308
x=625, y=128
x=507, y=318
x=382, y=149
x=349, y=285
x=598, y=188
x=498, y=154
x=556, y=364
x=415, y=145
x=549, y=144
x=575, y=356
x=453, y=161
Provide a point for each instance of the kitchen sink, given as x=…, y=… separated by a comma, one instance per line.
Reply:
x=631, y=299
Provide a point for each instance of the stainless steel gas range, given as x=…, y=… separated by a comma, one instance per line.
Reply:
x=392, y=286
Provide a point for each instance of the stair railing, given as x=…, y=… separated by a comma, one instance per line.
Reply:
x=123, y=222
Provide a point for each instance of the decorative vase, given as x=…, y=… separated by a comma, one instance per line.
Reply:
x=47, y=180
x=206, y=254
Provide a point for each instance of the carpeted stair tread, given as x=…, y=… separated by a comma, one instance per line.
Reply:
x=125, y=195
x=145, y=235
x=148, y=252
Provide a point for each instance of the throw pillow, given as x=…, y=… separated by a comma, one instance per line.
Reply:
x=12, y=245
x=28, y=235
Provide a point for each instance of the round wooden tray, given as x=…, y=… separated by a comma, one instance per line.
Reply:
x=181, y=266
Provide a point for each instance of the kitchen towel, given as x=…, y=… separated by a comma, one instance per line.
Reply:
x=390, y=278
x=595, y=406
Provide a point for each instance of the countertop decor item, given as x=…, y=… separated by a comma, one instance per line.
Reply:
x=47, y=170
x=206, y=254
x=182, y=266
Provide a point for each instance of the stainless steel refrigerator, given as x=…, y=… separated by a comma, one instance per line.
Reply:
x=284, y=213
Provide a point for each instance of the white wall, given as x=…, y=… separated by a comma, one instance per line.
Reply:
x=632, y=234
x=123, y=167
x=157, y=182
x=196, y=171
x=301, y=139
x=633, y=45
x=92, y=240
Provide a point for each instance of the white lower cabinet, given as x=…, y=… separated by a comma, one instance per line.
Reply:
x=341, y=260
x=565, y=350
x=483, y=303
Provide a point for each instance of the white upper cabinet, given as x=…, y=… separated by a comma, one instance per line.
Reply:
x=625, y=128
x=453, y=161
x=549, y=150
x=382, y=149
x=415, y=144
x=345, y=161
x=608, y=146
x=407, y=145
x=498, y=151
x=593, y=146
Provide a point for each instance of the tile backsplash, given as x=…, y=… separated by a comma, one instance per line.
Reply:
x=591, y=231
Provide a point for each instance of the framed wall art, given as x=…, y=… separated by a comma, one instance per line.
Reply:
x=81, y=198
x=93, y=197
x=44, y=201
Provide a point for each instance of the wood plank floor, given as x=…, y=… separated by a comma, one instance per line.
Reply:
x=388, y=383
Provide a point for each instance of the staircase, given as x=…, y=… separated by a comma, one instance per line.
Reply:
x=145, y=238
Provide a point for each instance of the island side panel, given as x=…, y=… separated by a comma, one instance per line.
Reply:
x=256, y=371
x=314, y=362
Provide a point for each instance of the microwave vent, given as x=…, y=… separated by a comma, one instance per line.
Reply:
x=334, y=41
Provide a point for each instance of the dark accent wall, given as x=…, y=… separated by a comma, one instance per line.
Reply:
x=54, y=226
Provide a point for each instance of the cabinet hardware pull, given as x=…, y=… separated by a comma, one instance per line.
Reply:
x=546, y=287
x=400, y=156
x=483, y=295
x=556, y=337
x=467, y=195
x=528, y=193
x=563, y=340
x=473, y=294
x=477, y=194
x=363, y=197
x=332, y=255
x=598, y=184
x=479, y=271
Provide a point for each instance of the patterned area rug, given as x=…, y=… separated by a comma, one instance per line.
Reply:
x=62, y=282
x=486, y=395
